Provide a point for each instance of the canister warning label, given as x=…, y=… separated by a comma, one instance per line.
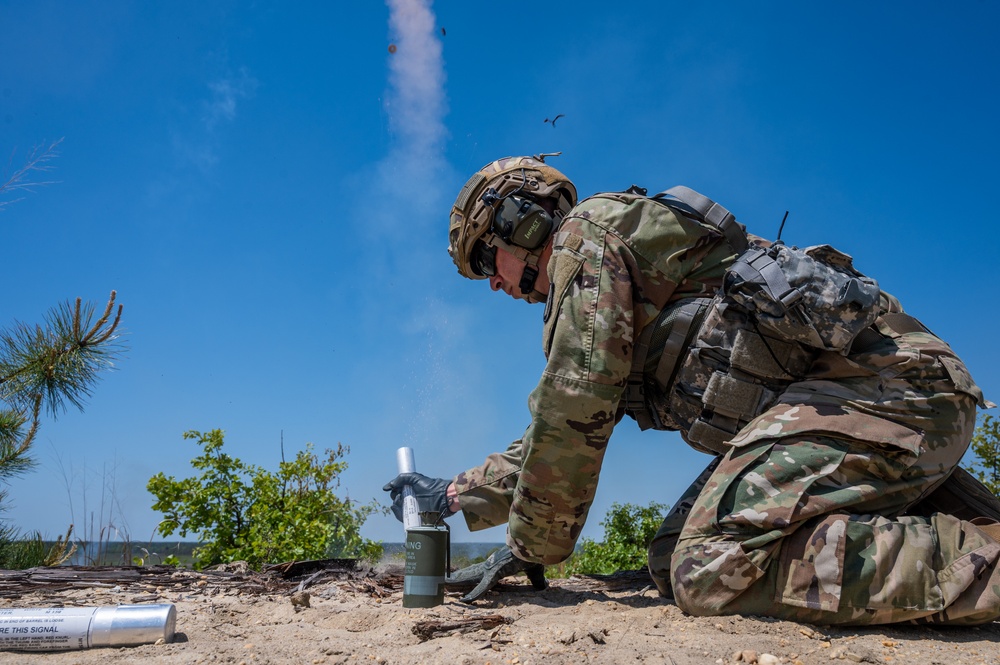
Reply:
x=44, y=630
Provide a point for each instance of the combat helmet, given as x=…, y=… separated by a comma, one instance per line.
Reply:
x=499, y=207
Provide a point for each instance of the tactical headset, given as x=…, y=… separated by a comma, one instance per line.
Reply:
x=517, y=221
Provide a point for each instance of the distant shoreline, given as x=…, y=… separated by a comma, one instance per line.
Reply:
x=125, y=553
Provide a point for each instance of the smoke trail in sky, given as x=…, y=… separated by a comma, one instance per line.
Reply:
x=416, y=102
x=417, y=187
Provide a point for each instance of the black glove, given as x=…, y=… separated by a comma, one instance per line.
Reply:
x=431, y=494
x=486, y=574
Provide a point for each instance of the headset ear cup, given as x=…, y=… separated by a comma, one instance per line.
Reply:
x=533, y=227
x=522, y=222
x=532, y=223
x=504, y=218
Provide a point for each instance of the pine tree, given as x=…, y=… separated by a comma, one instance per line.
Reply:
x=44, y=368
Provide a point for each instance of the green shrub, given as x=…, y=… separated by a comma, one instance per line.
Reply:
x=986, y=448
x=628, y=530
x=243, y=512
x=19, y=551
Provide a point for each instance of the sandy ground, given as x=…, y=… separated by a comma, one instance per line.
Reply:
x=574, y=621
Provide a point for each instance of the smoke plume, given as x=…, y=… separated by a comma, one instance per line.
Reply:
x=415, y=104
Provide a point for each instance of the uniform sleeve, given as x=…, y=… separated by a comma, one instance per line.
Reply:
x=588, y=336
x=485, y=492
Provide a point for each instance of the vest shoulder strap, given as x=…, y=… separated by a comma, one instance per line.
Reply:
x=709, y=211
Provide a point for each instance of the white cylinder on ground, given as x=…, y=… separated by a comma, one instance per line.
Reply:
x=62, y=628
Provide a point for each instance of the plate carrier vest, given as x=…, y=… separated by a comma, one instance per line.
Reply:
x=708, y=366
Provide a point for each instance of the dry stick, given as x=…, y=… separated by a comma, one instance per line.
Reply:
x=36, y=162
x=427, y=630
x=306, y=582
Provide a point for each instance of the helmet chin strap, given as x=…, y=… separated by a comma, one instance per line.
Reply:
x=529, y=257
x=528, y=277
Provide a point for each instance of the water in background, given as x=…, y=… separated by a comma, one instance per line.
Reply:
x=118, y=553
x=151, y=554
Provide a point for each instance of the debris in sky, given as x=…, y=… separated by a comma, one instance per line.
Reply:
x=443, y=33
x=392, y=48
x=553, y=120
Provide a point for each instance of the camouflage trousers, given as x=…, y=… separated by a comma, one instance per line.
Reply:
x=804, y=517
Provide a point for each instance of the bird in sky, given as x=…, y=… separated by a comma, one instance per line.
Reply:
x=553, y=120
x=443, y=33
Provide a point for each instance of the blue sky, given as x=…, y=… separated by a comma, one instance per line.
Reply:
x=267, y=189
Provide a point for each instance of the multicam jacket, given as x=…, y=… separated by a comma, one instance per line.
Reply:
x=618, y=260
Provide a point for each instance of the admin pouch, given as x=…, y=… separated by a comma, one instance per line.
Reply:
x=813, y=296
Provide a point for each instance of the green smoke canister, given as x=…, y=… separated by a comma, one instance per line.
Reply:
x=426, y=551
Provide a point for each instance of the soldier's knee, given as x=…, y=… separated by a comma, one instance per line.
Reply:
x=689, y=598
x=705, y=578
x=679, y=575
x=686, y=593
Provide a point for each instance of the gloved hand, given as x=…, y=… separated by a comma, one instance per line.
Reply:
x=430, y=493
x=486, y=574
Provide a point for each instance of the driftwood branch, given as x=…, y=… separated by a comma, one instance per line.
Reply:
x=427, y=630
x=140, y=579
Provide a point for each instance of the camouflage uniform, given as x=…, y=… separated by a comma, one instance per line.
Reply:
x=799, y=517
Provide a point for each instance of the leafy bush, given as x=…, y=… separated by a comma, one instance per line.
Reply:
x=986, y=448
x=628, y=530
x=243, y=512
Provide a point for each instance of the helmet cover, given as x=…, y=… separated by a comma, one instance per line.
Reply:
x=472, y=217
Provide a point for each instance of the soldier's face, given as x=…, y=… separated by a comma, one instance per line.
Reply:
x=509, y=269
